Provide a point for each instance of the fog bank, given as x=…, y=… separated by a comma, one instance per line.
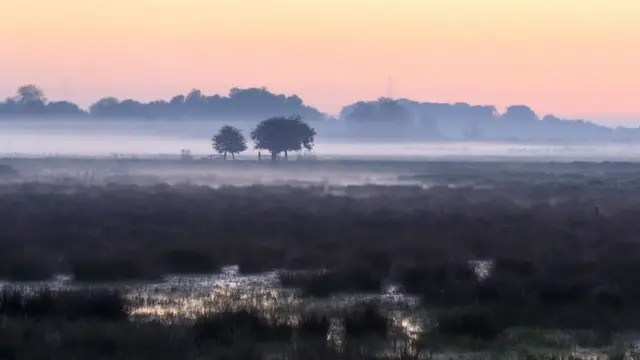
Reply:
x=149, y=138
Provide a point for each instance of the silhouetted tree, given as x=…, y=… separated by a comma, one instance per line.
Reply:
x=107, y=106
x=520, y=113
x=391, y=110
x=63, y=108
x=240, y=104
x=229, y=140
x=383, y=110
x=28, y=94
x=362, y=111
x=551, y=118
x=29, y=99
x=283, y=134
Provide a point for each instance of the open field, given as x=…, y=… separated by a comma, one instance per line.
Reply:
x=486, y=248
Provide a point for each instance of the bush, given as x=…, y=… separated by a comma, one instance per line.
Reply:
x=111, y=270
x=325, y=283
x=442, y=284
x=22, y=268
x=471, y=322
x=186, y=261
x=313, y=326
x=71, y=305
x=366, y=321
x=232, y=327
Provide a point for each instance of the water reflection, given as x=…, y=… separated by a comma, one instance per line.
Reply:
x=184, y=298
x=180, y=298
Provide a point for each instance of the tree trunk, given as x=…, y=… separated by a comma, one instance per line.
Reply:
x=274, y=156
x=233, y=156
x=225, y=155
x=286, y=155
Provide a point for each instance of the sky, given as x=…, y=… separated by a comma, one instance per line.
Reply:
x=566, y=57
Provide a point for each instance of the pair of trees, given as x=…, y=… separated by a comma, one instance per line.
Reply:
x=276, y=135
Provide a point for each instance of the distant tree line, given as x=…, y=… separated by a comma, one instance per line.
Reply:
x=30, y=100
x=385, y=117
x=462, y=120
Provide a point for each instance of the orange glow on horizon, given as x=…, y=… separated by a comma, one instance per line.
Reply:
x=563, y=57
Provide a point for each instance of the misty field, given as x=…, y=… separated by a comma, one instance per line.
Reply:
x=162, y=259
x=142, y=137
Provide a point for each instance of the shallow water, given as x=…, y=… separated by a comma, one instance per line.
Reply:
x=179, y=298
x=182, y=298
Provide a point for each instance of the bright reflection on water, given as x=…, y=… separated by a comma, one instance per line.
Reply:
x=183, y=298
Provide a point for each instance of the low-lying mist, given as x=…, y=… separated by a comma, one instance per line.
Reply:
x=102, y=171
x=135, y=137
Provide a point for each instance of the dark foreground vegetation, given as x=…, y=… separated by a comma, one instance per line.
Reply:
x=562, y=254
x=94, y=324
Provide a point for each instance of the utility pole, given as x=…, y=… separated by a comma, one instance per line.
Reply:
x=390, y=88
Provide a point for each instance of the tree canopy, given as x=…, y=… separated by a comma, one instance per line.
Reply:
x=229, y=140
x=383, y=110
x=249, y=103
x=283, y=134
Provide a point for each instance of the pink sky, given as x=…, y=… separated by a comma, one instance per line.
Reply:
x=558, y=56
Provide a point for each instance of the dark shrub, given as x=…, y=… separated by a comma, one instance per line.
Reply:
x=316, y=284
x=261, y=259
x=22, y=268
x=184, y=261
x=248, y=265
x=506, y=291
x=313, y=326
x=565, y=291
x=359, y=279
x=366, y=321
x=111, y=270
x=41, y=304
x=608, y=297
x=325, y=283
x=413, y=279
x=232, y=327
x=304, y=261
x=70, y=305
x=445, y=284
x=514, y=267
x=11, y=302
x=104, y=305
x=378, y=261
x=473, y=322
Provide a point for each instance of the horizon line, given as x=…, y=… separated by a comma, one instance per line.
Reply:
x=592, y=117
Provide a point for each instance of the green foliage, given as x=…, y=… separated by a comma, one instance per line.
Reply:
x=282, y=134
x=229, y=140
